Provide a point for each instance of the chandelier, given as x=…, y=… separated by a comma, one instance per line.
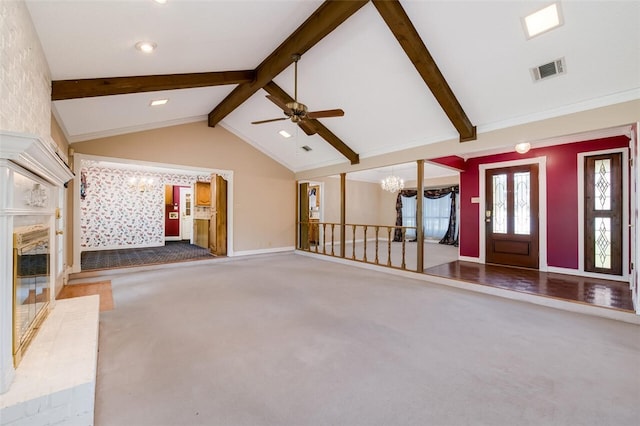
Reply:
x=140, y=184
x=392, y=183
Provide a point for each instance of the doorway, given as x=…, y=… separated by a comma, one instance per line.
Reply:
x=511, y=216
x=310, y=216
x=186, y=214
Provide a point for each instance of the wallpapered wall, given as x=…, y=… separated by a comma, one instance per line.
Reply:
x=116, y=214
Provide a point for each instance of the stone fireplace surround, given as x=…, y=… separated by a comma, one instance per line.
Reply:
x=55, y=381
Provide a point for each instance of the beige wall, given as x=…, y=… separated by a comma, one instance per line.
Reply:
x=366, y=204
x=264, y=190
x=622, y=114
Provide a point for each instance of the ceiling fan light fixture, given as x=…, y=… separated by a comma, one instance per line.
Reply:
x=146, y=46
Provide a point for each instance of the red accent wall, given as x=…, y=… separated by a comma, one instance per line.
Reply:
x=452, y=161
x=562, y=197
x=171, y=226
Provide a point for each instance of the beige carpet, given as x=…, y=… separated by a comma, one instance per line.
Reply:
x=292, y=340
x=102, y=288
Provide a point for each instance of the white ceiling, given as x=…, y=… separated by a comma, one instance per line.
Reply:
x=479, y=46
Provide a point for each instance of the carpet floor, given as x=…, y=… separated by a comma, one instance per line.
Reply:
x=292, y=340
x=172, y=251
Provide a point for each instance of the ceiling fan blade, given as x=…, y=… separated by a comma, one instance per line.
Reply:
x=280, y=104
x=326, y=113
x=270, y=120
x=308, y=127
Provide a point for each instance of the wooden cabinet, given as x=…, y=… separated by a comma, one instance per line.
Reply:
x=203, y=194
x=202, y=233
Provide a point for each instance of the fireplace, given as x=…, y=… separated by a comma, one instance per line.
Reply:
x=31, y=284
x=31, y=175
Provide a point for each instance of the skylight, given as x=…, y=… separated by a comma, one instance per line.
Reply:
x=543, y=20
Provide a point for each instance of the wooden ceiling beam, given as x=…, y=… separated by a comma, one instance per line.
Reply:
x=274, y=90
x=91, y=87
x=322, y=22
x=402, y=28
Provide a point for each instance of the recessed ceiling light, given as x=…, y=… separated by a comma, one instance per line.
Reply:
x=284, y=134
x=161, y=1
x=543, y=20
x=146, y=46
x=157, y=102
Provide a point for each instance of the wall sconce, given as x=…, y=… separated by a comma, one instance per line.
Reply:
x=140, y=184
x=523, y=147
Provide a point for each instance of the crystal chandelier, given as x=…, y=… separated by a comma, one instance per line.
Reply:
x=392, y=183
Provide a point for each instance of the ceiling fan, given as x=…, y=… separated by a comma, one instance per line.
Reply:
x=296, y=111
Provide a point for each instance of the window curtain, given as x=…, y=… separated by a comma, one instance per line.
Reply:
x=409, y=215
x=451, y=235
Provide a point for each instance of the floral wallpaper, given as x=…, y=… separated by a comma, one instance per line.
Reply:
x=124, y=208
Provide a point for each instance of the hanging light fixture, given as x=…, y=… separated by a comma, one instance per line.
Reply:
x=392, y=183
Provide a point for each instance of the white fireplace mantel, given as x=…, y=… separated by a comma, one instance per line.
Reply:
x=35, y=155
x=38, y=159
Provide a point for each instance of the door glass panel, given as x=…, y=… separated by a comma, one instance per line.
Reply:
x=603, y=242
x=602, y=184
x=522, y=200
x=500, y=204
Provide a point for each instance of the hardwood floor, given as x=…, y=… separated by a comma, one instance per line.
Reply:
x=103, y=288
x=602, y=293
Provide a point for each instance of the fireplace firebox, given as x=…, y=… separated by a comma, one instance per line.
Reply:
x=31, y=284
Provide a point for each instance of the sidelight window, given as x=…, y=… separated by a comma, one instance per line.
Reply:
x=500, y=204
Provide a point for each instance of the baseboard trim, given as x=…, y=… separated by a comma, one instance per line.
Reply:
x=469, y=259
x=262, y=251
x=576, y=272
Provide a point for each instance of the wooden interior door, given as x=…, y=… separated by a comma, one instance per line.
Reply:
x=218, y=219
x=603, y=214
x=303, y=216
x=511, y=216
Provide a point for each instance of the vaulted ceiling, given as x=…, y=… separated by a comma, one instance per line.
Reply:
x=366, y=65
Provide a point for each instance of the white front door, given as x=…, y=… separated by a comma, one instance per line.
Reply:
x=186, y=213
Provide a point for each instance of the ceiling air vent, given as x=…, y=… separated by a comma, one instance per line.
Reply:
x=551, y=69
x=306, y=148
